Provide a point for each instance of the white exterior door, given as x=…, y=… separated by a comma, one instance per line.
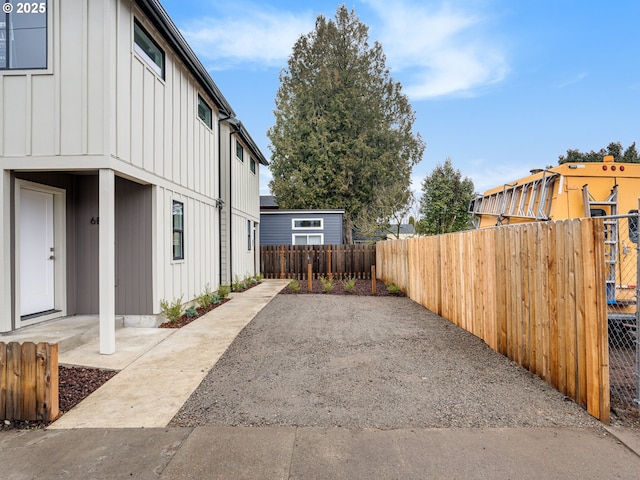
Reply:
x=37, y=252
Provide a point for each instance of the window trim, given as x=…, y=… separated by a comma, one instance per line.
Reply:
x=159, y=70
x=294, y=220
x=202, y=102
x=179, y=231
x=37, y=71
x=307, y=235
x=239, y=148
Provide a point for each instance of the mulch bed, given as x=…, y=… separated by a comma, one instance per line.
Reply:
x=362, y=287
x=74, y=385
x=184, y=320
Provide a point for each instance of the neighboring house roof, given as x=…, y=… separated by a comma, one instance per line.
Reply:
x=268, y=201
x=277, y=211
x=161, y=20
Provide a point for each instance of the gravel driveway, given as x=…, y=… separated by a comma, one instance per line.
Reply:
x=368, y=362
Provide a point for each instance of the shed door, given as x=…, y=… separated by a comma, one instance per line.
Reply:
x=36, y=252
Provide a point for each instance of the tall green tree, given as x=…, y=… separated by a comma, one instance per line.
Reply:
x=445, y=201
x=630, y=155
x=343, y=128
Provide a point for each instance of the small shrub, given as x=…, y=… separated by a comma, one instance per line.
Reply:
x=206, y=298
x=238, y=285
x=172, y=311
x=327, y=284
x=224, y=291
x=294, y=286
x=392, y=288
x=215, y=299
x=191, y=312
x=350, y=284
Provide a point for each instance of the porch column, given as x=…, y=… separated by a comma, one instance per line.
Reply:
x=107, y=262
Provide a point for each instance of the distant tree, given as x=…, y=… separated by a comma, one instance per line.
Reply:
x=630, y=155
x=343, y=127
x=381, y=217
x=445, y=201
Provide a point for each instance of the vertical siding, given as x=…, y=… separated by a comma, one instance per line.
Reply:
x=275, y=228
x=185, y=278
x=133, y=255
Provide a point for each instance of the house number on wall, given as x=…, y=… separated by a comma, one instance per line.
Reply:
x=95, y=220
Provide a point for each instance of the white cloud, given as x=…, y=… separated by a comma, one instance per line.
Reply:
x=577, y=79
x=432, y=47
x=444, y=50
x=255, y=36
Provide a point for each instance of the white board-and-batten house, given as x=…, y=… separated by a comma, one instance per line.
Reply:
x=118, y=187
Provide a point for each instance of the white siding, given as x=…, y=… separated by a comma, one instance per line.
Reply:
x=185, y=278
x=100, y=106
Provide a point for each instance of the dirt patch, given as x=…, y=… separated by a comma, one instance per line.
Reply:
x=368, y=362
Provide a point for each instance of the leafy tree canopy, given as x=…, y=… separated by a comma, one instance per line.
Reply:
x=445, y=201
x=343, y=127
x=630, y=155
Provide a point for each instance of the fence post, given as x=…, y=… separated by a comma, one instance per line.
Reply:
x=374, y=286
x=282, y=262
x=329, y=272
x=309, y=281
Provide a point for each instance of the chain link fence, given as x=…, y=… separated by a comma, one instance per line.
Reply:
x=622, y=264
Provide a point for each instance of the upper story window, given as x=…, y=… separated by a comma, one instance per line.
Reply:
x=307, y=224
x=148, y=49
x=204, y=111
x=252, y=165
x=23, y=35
x=239, y=151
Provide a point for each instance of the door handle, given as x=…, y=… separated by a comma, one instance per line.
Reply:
x=52, y=257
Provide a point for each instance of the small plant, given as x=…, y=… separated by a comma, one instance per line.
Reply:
x=238, y=285
x=224, y=291
x=172, y=311
x=294, y=286
x=191, y=312
x=215, y=299
x=206, y=298
x=350, y=284
x=327, y=284
x=392, y=288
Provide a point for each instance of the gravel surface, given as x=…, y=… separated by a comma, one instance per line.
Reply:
x=369, y=362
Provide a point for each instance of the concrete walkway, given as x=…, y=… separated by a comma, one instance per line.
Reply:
x=150, y=389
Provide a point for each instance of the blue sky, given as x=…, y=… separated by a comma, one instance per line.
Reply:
x=498, y=86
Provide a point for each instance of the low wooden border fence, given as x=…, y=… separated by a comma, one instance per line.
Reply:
x=29, y=381
x=533, y=292
x=337, y=261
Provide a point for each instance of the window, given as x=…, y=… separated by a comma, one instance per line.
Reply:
x=149, y=50
x=178, y=230
x=252, y=165
x=308, y=239
x=204, y=111
x=23, y=35
x=307, y=224
x=249, y=234
x=239, y=151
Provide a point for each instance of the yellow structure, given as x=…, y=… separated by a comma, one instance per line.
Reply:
x=570, y=190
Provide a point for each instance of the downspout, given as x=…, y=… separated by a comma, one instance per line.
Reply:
x=237, y=128
x=220, y=197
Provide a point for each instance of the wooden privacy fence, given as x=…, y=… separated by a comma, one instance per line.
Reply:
x=28, y=381
x=338, y=261
x=533, y=292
